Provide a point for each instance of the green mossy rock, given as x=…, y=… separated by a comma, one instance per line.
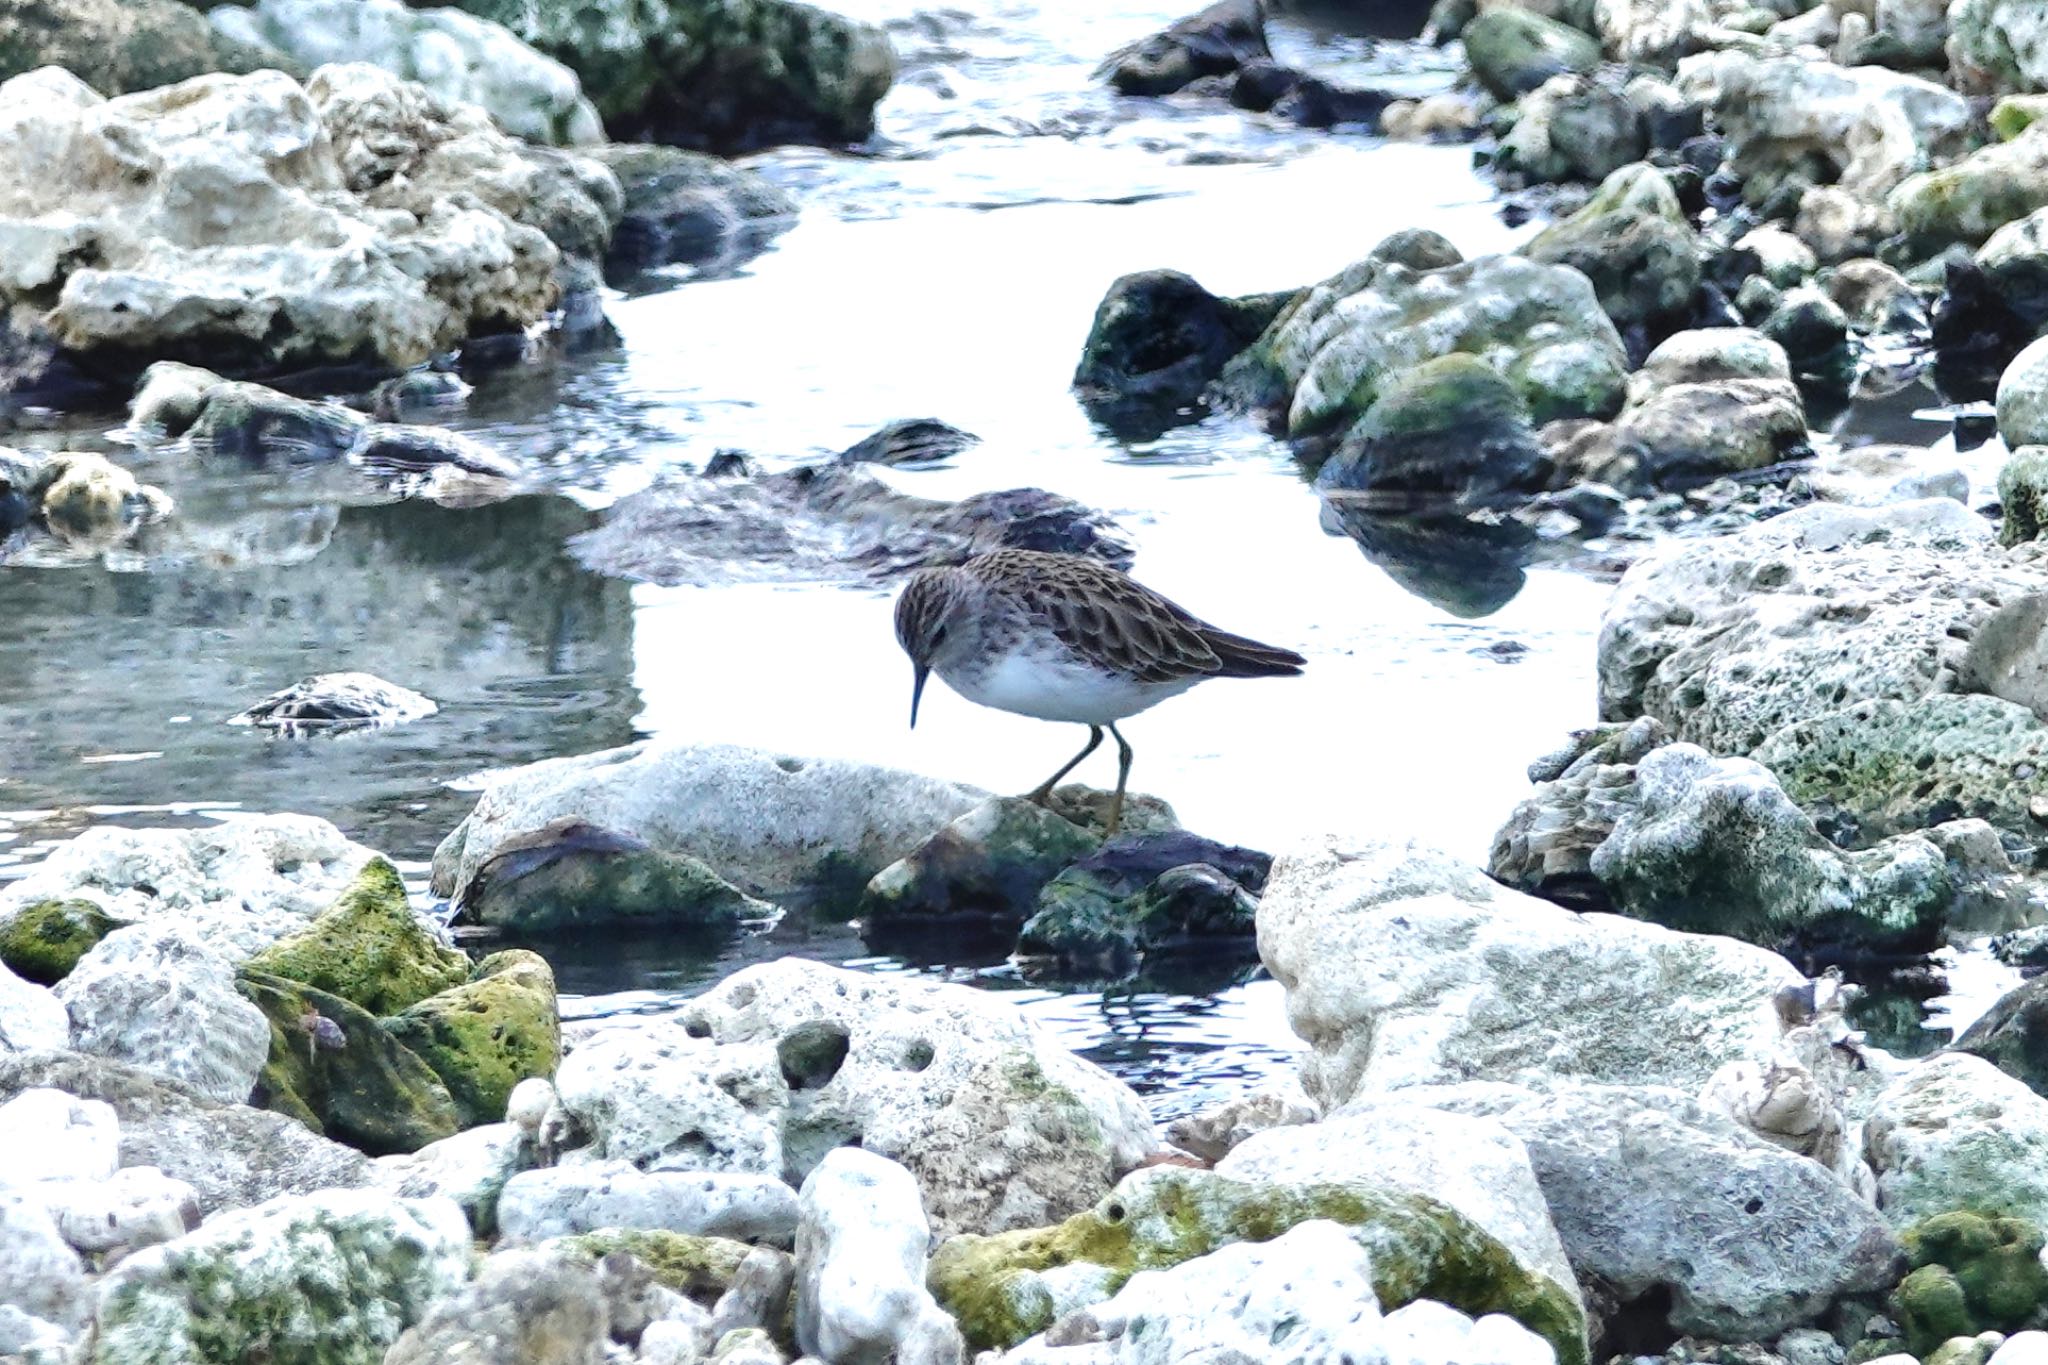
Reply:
x=1633, y=242
x=1973, y=1272
x=2022, y=492
x=576, y=878
x=368, y=948
x=699, y=1268
x=983, y=871
x=1512, y=51
x=44, y=941
x=1162, y=1216
x=486, y=1036
x=335, y=1070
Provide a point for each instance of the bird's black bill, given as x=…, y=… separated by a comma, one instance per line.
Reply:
x=916, y=692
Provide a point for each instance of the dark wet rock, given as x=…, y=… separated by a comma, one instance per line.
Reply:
x=118, y=46
x=726, y=76
x=1145, y=898
x=1702, y=844
x=258, y=424
x=1214, y=42
x=1512, y=51
x=1574, y=128
x=1705, y=404
x=689, y=208
x=910, y=440
x=2023, y=496
x=335, y=1070
x=1314, y=102
x=1815, y=334
x=407, y=398
x=981, y=874
x=1976, y=329
x=570, y=876
x=169, y=398
x=825, y=522
x=332, y=702
x=484, y=1037
x=43, y=941
x=402, y=452
x=1451, y=429
x=1158, y=340
x=2013, y=1034
x=231, y=1154
x=1879, y=302
x=1633, y=242
x=1469, y=566
x=1325, y=358
x=1262, y=83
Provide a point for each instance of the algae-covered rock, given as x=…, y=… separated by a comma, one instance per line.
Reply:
x=1633, y=242
x=1955, y=1132
x=1450, y=427
x=486, y=1036
x=332, y=1068
x=2022, y=494
x=368, y=948
x=699, y=1268
x=572, y=876
x=981, y=872
x=1325, y=359
x=1005, y=1288
x=1968, y=200
x=1158, y=339
x=1513, y=50
x=1146, y=898
x=1573, y=128
x=43, y=940
x=322, y=1279
x=1972, y=1272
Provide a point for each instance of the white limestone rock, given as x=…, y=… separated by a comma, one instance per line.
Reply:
x=1955, y=1132
x=30, y=1016
x=860, y=1266
x=586, y=1196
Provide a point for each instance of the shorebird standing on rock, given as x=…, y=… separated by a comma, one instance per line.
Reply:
x=1060, y=637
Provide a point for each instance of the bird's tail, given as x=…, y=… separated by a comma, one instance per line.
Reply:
x=1243, y=658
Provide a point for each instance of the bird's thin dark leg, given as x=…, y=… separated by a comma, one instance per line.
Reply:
x=1123, y=775
x=1043, y=791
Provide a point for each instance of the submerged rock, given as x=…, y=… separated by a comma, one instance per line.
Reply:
x=337, y=701
x=86, y=499
x=335, y=1275
x=785, y=1061
x=1398, y=961
x=460, y=58
x=1005, y=1288
x=825, y=523
x=1214, y=42
x=764, y=822
x=730, y=76
x=1449, y=431
x=689, y=208
x=1158, y=341
x=570, y=875
x=368, y=948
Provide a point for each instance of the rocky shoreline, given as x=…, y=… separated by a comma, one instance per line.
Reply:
x=1616, y=1096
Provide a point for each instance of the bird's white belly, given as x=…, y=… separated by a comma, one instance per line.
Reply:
x=1049, y=687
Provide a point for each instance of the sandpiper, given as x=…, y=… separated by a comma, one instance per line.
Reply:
x=1060, y=637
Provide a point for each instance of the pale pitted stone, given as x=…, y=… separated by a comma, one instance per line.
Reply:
x=1955, y=1132
x=30, y=1016
x=524, y=1306
x=785, y=1061
x=860, y=1264
x=50, y=1135
x=44, y=1278
x=154, y=995
x=588, y=1196
x=137, y=1206
x=240, y=884
x=1472, y=1164
x=768, y=822
x=1406, y=967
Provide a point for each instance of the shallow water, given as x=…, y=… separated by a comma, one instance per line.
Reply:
x=951, y=274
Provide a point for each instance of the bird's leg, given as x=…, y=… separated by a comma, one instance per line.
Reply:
x=1123, y=775
x=1043, y=791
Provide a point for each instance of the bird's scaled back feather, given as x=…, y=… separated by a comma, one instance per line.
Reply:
x=1107, y=617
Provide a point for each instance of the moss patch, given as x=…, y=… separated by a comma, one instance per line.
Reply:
x=1162, y=1217
x=44, y=941
x=1972, y=1272
x=486, y=1036
x=699, y=1268
x=368, y=948
x=335, y=1070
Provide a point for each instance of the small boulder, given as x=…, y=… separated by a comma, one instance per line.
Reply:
x=368, y=947
x=560, y=1201
x=860, y=1266
x=1450, y=429
x=1632, y=240
x=1158, y=340
x=1212, y=42
x=334, y=702
x=44, y=940
x=1513, y=50
x=1973, y=1272
x=1955, y=1132
x=1143, y=900
x=484, y=1037
x=2023, y=398
x=982, y=873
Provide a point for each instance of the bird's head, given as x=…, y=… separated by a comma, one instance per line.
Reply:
x=936, y=623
